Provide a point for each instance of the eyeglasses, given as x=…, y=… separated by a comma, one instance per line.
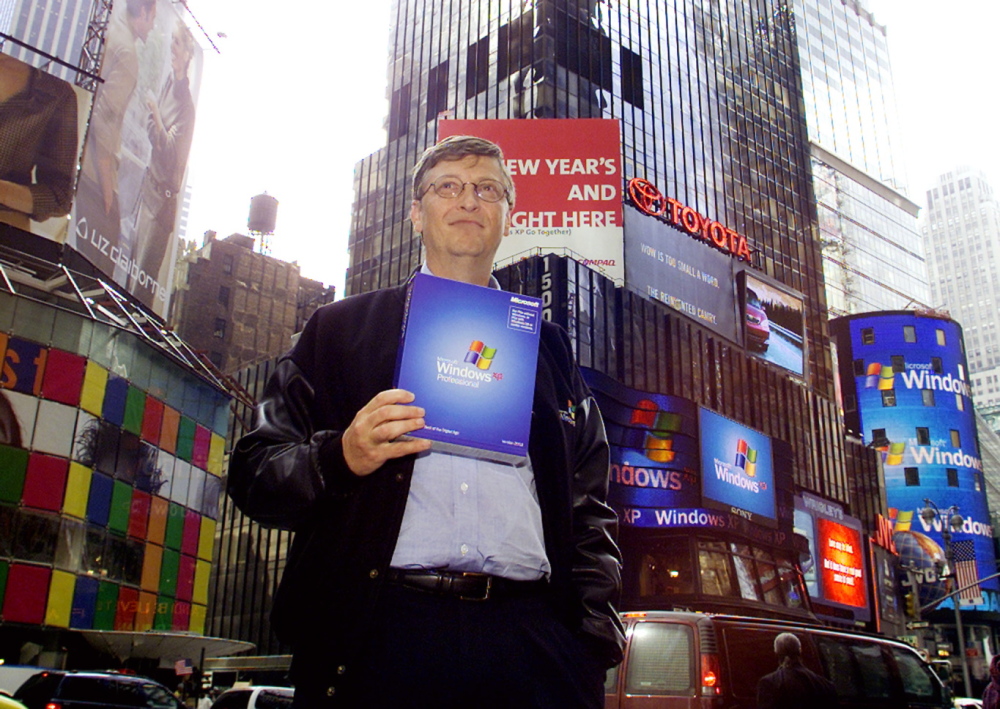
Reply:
x=450, y=188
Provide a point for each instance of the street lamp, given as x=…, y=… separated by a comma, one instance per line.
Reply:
x=951, y=520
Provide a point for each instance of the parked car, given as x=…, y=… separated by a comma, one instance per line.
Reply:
x=7, y=703
x=57, y=689
x=676, y=660
x=255, y=698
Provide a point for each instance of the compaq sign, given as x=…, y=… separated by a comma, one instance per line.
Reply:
x=650, y=200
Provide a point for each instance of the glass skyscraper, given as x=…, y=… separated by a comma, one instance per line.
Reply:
x=872, y=253
x=708, y=95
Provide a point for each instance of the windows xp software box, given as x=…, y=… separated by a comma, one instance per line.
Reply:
x=469, y=354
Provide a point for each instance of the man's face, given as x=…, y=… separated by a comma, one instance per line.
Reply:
x=465, y=227
x=145, y=21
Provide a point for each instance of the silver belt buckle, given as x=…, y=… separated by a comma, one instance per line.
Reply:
x=486, y=593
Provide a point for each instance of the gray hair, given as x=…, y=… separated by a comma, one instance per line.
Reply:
x=456, y=147
x=787, y=645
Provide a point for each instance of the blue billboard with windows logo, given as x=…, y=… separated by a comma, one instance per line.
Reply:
x=911, y=400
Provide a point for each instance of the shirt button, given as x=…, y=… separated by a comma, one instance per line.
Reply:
x=341, y=669
x=464, y=487
x=464, y=549
x=330, y=691
x=373, y=574
x=399, y=477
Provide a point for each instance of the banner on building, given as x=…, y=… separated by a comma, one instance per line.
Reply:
x=568, y=177
x=135, y=159
x=41, y=132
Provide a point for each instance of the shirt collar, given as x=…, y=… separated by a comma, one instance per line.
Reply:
x=494, y=283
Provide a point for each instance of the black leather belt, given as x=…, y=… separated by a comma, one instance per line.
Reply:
x=467, y=586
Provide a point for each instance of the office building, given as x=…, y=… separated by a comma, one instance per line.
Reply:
x=239, y=306
x=56, y=28
x=872, y=253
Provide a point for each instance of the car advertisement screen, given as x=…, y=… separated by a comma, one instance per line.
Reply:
x=774, y=322
x=737, y=469
x=134, y=167
x=914, y=405
x=568, y=178
x=662, y=263
x=45, y=119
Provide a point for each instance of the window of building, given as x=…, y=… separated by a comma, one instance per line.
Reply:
x=888, y=397
x=898, y=363
x=940, y=337
x=399, y=112
x=952, y=477
x=715, y=570
x=227, y=264
x=224, y=295
x=632, y=78
x=936, y=366
x=977, y=479
x=923, y=436
x=912, y=477
x=220, y=328
x=215, y=358
x=909, y=333
x=867, y=336
x=666, y=570
x=859, y=367
x=583, y=50
x=477, y=67
x=956, y=439
x=437, y=90
x=928, y=396
x=959, y=402
x=514, y=42
x=850, y=402
x=879, y=438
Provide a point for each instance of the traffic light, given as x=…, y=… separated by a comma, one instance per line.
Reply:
x=911, y=604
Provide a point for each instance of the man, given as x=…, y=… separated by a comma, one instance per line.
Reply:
x=170, y=126
x=97, y=194
x=793, y=685
x=419, y=578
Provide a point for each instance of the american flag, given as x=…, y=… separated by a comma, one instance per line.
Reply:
x=966, y=573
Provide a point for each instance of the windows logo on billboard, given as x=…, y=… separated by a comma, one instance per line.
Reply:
x=660, y=429
x=480, y=355
x=879, y=377
x=746, y=458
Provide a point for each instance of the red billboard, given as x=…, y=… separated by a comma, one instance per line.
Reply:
x=568, y=177
x=135, y=158
x=42, y=123
x=841, y=563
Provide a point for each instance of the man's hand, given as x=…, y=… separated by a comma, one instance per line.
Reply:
x=372, y=437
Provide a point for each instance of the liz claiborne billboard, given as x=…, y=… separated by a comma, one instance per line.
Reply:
x=913, y=403
x=135, y=159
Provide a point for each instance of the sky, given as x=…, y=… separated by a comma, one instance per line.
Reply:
x=294, y=100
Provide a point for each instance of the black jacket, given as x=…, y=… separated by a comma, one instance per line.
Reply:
x=289, y=472
x=794, y=686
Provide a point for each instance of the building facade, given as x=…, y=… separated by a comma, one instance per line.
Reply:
x=57, y=28
x=239, y=306
x=872, y=252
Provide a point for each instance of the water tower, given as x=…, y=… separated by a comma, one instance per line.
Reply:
x=263, y=214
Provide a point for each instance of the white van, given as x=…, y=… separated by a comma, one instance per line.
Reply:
x=255, y=698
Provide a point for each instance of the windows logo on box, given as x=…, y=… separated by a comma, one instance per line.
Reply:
x=480, y=355
x=879, y=377
x=661, y=427
x=746, y=458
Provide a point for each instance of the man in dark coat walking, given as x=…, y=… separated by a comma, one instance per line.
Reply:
x=793, y=685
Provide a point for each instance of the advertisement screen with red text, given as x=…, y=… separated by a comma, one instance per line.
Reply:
x=568, y=178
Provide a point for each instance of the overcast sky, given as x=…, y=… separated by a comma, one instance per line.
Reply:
x=294, y=100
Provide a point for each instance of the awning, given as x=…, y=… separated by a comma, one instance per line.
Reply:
x=167, y=647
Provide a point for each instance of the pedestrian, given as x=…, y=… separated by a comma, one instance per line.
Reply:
x=417, y=577
x=793, y=685
x=991, y=695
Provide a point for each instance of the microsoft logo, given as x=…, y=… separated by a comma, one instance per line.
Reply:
x=480, y=355
x=879, y=377
x=660, y=428
x=746, y=458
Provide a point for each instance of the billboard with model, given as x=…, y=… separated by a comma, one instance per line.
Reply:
x=42, y=123
x=135, y=158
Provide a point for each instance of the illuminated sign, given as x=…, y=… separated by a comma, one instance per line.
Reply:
x=737, y=472
x=841, y=563
x=650, y=200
